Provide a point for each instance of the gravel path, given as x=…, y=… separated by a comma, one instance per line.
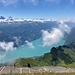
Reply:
x=9, y=69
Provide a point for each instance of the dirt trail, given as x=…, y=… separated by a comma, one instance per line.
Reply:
x=9, y=69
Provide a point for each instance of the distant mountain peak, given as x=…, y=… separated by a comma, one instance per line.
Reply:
x=2, y=17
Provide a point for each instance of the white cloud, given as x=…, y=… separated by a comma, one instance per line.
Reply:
x=30, y=44
x=34, y=2
x=17, y=40
x=15, y=2
x=7, y=46
x=53, y=37
x=64, y=27
x=53, y=1
x=59, y=1
x=8, y=2
x=56, y=34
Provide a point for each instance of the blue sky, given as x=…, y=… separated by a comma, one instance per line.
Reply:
x=38, y=8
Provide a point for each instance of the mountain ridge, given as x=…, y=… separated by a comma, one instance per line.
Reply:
x=12, y=19
x=59, y=56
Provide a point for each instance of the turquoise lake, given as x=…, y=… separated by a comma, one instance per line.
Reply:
x=26, y=51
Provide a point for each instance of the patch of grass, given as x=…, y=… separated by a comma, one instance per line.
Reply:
x=22, y=62
x=46, y=73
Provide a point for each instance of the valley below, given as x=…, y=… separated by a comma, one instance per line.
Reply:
x=47, y=46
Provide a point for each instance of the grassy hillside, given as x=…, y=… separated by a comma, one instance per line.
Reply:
x=59, y=56
x=23, y=62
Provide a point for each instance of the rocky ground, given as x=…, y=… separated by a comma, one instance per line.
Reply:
x=9, y=69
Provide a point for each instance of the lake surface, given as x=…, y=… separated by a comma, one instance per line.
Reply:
x=26, y=51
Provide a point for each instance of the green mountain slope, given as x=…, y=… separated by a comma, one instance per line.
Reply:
x=59, y=56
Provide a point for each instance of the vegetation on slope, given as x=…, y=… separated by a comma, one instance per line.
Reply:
x=59, y=56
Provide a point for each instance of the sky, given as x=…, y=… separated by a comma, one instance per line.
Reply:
x=38, y=8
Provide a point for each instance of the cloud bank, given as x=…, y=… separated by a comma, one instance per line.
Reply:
x=7, y=46
x=30, y=44
x=55, y=35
